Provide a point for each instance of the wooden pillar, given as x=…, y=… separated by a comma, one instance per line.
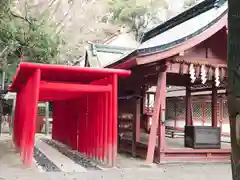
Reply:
x=161, y=126
x=188, y=119
x=221, y=113
x=11, y=123
x=29, y=121
x=134, y=129
x=1, y=117
x=114, y=118
x=138, y=122
x=47, y=118
x=143, y=99
x=3, y=80
x=214, y=105
x=155, y=118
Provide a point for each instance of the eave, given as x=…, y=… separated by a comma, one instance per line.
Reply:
x=157, y=53
x=192, y=41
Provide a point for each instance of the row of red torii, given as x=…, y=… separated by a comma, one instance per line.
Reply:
x=84, y=108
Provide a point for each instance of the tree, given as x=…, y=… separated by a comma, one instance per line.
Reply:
x=24, y=36
x=234, y=83
x=137, y=15
x=77, y=21
x=189, y=3
x=89, y=22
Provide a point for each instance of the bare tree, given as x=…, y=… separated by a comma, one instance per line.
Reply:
x=78, y=21
x=136, y=15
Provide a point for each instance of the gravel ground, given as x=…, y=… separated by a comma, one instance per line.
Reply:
x=44, y=162
x=73, y=155
x=173, y=172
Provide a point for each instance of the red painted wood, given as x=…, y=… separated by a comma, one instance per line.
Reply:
x=110, y=130
x=29, y=120
x=184, y=47
x=90, y=125
x=115, y=118
x=93, y=125
x=17, y=119
x=84, y=120
x=106, y=124
x=150, y=58
x=98, y=98
x=101, y=121
x=161, y=127
x=81, y=126
x=68, y=88
x=198, y=59
x=181, y=154
x=96, y=125
x=155, y=118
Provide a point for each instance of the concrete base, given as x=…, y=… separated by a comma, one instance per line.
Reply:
x=61, y=161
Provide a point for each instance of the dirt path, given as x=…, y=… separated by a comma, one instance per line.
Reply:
x=11, y=168
x=10, y=162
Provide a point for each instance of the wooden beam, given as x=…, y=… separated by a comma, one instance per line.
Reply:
x=71, y=87
x=155, y=118
x=134, y=129
x=201, y=61
x=172, y=79
x=178, y=68
x=206, y=89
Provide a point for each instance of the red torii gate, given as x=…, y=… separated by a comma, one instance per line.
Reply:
x=84, y=108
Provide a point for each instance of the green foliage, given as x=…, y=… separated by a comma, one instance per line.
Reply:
x=27, y=37
x=189, y=3
x=135, y=14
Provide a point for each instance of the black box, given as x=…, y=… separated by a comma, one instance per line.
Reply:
x=202, y=137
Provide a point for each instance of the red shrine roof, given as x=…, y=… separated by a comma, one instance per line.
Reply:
x=61, y=73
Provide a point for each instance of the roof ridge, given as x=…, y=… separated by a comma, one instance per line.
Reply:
x=112, y=47
x=182, y=17
x=111, y=37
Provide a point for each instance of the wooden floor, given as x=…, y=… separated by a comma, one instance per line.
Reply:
x=177, y=142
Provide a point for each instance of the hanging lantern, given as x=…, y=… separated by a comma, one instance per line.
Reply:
x=203, y=74
x=217, y=80
x=192, y=73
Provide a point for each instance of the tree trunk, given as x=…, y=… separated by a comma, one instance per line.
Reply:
x=234, y=83
x=1, y=116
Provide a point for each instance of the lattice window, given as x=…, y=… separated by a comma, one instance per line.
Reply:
x=41, y=111
x=218, y=110
x=151, y=100
x=146, y=100
x=180, y=109
x=225, y=110
x=170, y=110
x=197, y=109
x=208, y=111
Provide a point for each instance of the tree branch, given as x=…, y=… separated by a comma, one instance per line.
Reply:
x=20, y=17
x=3, y=51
